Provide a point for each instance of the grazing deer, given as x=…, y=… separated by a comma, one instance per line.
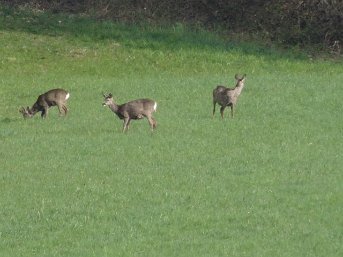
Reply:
x=225, y=96
x=133, y=110
x=45, y=101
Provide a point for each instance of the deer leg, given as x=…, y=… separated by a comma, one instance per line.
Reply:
x=44, y=112
x=65, y=109
x=126, y=124
x=231, y=111
x=155, y=123
x=60, y=108
x=214, y=109
x=152, y=122
x=222, y=111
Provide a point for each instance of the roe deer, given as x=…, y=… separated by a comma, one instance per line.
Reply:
x=133, y=110
x=225, y=96
x=53, y=97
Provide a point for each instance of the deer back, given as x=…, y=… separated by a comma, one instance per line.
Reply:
x=51, y=98
x=222, y=94
x=137, y=109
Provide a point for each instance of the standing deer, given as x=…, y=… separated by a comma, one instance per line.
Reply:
x=133, y=110
x=225, y=96
x=45, y=101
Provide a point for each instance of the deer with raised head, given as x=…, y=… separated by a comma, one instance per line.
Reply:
x=225, y=96
x=54, y=97
x=133, y=110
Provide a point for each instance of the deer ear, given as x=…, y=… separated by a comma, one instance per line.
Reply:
x=110, y=95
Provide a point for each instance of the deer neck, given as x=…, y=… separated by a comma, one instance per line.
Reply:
x=33, y=110
x=238, y=89
x=114, y=107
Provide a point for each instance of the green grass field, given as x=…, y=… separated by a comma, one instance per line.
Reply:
x=266, y=183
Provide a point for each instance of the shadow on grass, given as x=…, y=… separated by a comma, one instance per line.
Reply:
x=173, y=36
x=7, y=120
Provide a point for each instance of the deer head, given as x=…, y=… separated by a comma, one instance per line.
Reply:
x=26, y=112
x=108, y=99
x=240, y=79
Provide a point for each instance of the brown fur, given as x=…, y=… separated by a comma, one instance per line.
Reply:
x=133, y=110
x=225, y=96
x=54, y=97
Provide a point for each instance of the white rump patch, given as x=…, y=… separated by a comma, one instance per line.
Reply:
x=155, y=106
x=67, y=96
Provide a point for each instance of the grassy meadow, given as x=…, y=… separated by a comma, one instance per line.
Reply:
x=266, y=183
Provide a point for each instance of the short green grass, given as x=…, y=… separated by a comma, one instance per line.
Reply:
x=266, y=183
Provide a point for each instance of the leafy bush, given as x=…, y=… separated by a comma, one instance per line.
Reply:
x=287, y=22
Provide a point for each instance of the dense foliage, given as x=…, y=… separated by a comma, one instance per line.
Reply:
x=289, y=22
